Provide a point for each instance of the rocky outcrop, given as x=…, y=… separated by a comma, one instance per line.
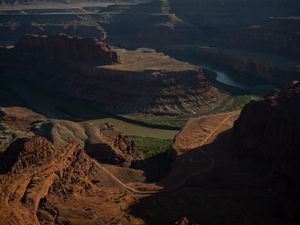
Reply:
x=270, y=126
x=43, y=184
x=143, y=81
x=274, y=69
x=200, y=131
x=269, y=129
x=66, y=48
x=6, y=136
x=268, y=132
x=160, y=92
x=152, y=24
x=11, y=33
x=101, y=141
x=109, y=145
x=277, y=36
x=230, y=10
x=34, y=169
x=17, y=122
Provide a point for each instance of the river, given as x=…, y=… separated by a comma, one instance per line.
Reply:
x=224, y=78
x=249, y=85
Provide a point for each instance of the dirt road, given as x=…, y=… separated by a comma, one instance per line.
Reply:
x=179, y=184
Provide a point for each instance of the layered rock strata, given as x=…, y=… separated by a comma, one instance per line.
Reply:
x=131, y=81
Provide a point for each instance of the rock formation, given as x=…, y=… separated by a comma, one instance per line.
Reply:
x=17, y=122
x=199, y=131
x=34, y=169
x=143, y=81
x=6, y=137
x=12, y=33
x=277, y=35
x=66, y=48
x=268, y=132
x=269, y=129
x=151, y=24
x=264, y=44
x=101, y=141
x=271, y=68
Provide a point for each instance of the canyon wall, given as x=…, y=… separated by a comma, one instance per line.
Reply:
x=66, y=48
x=272, y=69
x=52, y=63
x=101, y=141
x=35, y=169
x=267, y=132
x=275, y=36
x=270, y=128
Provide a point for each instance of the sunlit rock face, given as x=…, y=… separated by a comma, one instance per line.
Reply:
x=34, y=170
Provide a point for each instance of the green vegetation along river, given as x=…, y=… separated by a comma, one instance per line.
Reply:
x=55, y=106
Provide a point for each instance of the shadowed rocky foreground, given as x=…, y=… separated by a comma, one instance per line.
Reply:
x=218, y=164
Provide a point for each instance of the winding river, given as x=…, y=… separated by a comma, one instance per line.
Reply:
x=60, y=107
x=224, y=78
x=250, y=85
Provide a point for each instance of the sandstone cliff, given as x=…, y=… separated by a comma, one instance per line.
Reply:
x=32, y=169
x=66, y=48
x=272, y=68
x=11, y=33
x=17, y=122
x=42, y=184
x=269, y=129
x=277, y=36
x=142, y=81
x=268, y=133
x=101, y=141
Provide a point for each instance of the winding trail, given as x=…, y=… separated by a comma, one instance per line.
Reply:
x=179, y=184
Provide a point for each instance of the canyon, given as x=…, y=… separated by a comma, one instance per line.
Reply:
x=267, y=41
x=151, y=112
x=213, y=154
x=40, y=174
x=269, y=68
x=121, y=81
x=102, y=141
